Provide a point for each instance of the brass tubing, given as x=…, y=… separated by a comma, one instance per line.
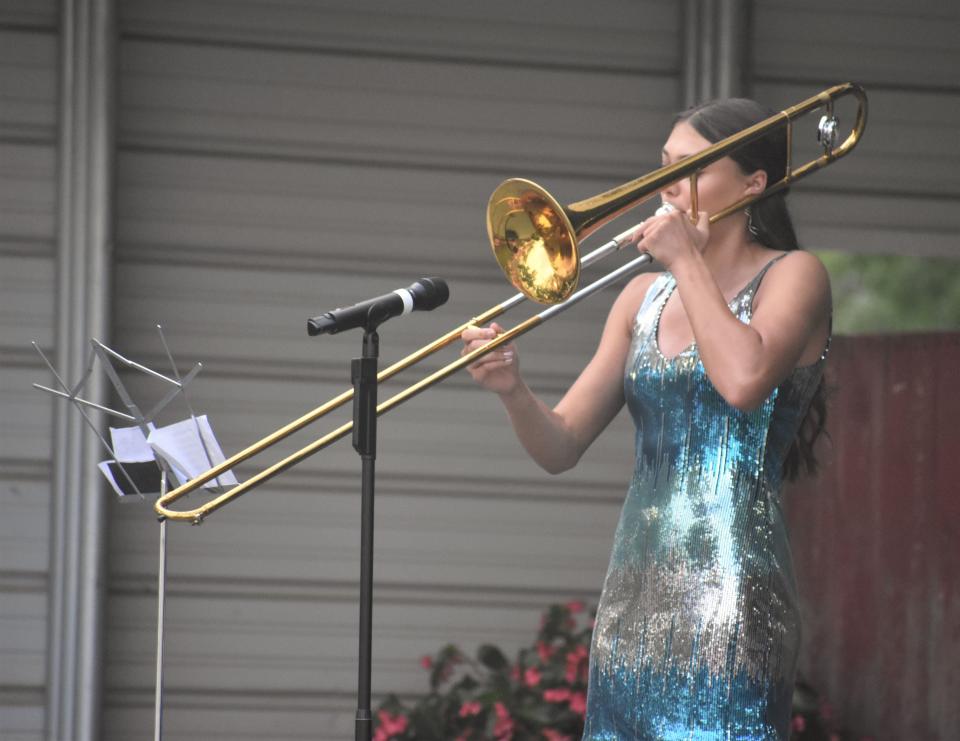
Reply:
x=197, y=515
x=320, y=411
x=580, y=219
x=788, y=170
x=346, y=396
x=694, y=197
x=590, y=214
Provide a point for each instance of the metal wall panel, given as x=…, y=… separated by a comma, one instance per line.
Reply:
x=278, y=159
x=886, y=43
x=28, y=44
x=616, y=35
x=898, y=193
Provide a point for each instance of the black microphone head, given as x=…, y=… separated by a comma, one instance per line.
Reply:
x=429, y=293
x=323, y=324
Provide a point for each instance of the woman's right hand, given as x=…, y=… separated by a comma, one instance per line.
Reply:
x=498, y=371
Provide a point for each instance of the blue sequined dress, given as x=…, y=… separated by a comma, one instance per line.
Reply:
x=698, y=625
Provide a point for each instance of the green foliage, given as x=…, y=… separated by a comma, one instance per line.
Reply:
x=540, y=695
x=893, y=293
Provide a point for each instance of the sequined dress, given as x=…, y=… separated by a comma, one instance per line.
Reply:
x=698, y=624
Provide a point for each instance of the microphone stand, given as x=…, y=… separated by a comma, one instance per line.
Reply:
x=430, y=292
x=363, y=374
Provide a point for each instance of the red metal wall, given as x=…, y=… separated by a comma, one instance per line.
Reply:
x=876, y=539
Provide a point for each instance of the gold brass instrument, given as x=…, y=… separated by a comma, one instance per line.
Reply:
x=535, y=241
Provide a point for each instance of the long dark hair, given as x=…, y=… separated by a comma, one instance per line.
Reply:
x=771, y=226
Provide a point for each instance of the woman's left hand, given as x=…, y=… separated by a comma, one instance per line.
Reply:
x=672, y=237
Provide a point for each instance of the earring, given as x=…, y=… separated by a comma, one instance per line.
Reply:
x=751, y=227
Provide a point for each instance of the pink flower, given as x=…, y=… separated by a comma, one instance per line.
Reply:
x=390, y=726
x=799, y=723
x=575, y=659
x=470, y=708
x=503, y=728
x=531, y=677
x=427, y=663
x=575, y=606
x=515, y=672
x=551, y=735
x=578, y=703
x=544, y=651
x=558, y=694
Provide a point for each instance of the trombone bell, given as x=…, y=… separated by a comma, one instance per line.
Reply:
x=533, y=241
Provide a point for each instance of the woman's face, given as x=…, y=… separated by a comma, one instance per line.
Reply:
x=718, y=185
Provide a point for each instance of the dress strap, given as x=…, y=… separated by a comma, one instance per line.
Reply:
x=653, y=291
x=755, y=283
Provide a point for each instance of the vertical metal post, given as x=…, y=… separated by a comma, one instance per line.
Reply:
x=731, y=47
x=690, y=27
x=715, y=49
x=161, y=618
x=707, y=39
x=84, y=238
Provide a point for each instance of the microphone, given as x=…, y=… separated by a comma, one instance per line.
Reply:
x=424, y=295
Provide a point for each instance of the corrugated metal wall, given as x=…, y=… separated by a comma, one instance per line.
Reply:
x=898, y=193
x=28, y=160
x=290, y=157
x=277, y=158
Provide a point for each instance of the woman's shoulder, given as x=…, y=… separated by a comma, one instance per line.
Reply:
x=797, y=265
x=796, y=273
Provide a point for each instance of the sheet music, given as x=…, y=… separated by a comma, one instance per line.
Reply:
x=140, y=473
x=130, y=445
x=181, y=445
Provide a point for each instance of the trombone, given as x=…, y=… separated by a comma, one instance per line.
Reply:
x=535, y=241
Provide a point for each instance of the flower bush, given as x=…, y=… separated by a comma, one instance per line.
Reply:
x=539, y=696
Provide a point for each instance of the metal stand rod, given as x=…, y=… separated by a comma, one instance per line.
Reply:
x=161, y=604
x=364, y=376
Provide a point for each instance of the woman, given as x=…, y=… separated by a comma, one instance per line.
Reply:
x=719, y=360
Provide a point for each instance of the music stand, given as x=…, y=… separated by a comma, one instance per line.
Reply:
x=129, y=484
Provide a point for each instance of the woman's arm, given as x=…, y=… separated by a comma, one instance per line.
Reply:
x=557, y=438
x=745, y=362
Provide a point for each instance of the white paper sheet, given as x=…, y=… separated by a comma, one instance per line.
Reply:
x=183, y=447
x=130, y=445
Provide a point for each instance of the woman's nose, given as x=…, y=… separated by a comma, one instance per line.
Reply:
x=673, y=192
